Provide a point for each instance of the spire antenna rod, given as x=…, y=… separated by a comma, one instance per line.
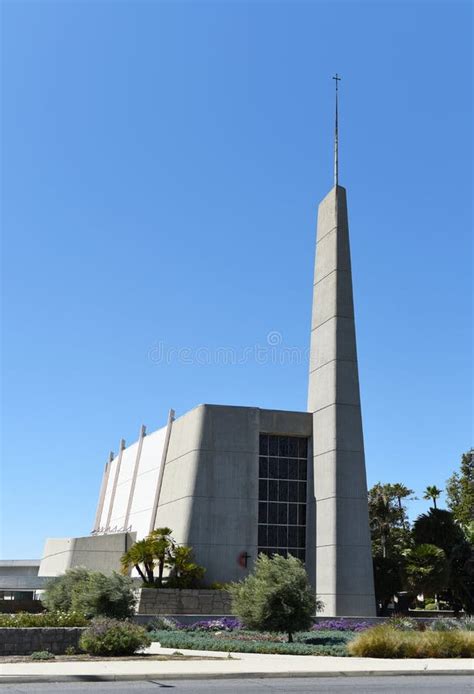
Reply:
x=336, y=135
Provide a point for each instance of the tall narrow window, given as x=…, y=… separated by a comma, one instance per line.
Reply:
x=282, y=495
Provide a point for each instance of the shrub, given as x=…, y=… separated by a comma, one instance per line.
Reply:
x=42, y=655
x=112, y=637
x=59, y=591
x=108, y=596
x=43, y=619
x=464, y=624
x=402, y=623
x=426, y=569
x=163, y=624
x=431, y=606
x=385, y=642
x=467, y=623
x=209, y=642
x=276, y=596
x=446, y=625
x=91, y=593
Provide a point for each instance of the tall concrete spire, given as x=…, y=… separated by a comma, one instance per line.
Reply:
x=344, y=575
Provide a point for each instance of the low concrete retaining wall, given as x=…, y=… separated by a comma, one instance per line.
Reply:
x=16, y=641
x=166, y=601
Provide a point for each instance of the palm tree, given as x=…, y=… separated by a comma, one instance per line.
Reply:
x=185, y=570
x=401, y=492
x=140, y=554
x=153, y=551
x=380, y=513
x=432, y=492
x=163, y=547
x=427, y=570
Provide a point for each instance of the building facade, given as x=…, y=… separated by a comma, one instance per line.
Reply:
x=234, y=482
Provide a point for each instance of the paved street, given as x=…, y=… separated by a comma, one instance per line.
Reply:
x=432, y=684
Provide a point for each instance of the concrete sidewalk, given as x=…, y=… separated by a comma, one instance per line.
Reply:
x=239, y=665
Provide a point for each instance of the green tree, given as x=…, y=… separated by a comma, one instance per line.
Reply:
x=154, y=551
x=400, y=492
x=388, y=520
x=432, y=492
x=164, y=546
x=387, y=579
x=59, y=591
x=91, y=593
x=276, y=596
x=185, y=573
x=460, y=490
x=106, y=596
x=461, y=571
x=438, y=527
x=427, y=570
x=141, y=556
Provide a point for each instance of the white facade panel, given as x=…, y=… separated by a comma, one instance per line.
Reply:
x=122, y=492
x=147, y=482
x=108, y=493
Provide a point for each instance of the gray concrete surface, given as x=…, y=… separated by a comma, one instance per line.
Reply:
x=96, y=552
x=365, y=685
x=344, y=575
x=209, y=495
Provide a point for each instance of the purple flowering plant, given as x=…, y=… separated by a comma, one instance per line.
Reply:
x=223, y=624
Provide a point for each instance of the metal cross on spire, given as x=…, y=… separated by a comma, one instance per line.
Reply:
x=336, y=135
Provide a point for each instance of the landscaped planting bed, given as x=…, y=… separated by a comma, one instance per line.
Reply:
x=306, y=643
x=328, y=638
x=399, y=638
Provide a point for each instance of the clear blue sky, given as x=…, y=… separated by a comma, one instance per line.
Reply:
x=162, y=166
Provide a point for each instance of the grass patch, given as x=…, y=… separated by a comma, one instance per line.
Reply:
x=305, y=643
x=386, y=642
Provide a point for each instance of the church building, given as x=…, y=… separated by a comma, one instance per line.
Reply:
x=233, y=482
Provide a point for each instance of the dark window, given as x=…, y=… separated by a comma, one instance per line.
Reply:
x=272, y=514
x=303, y=466
x=292, y=536
x=293, y=447
x=282, y=536
x=272, y=535
x=292, y=514
x=273, y=445
x=292, y=491
x=293, y=469
x=283, y=446
x=273, y=468
x=262, y=535
x=282, y=514
x=283, y=490
x=283, y=468
x=301, y=514
x=282, y=495
x=302, y=448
